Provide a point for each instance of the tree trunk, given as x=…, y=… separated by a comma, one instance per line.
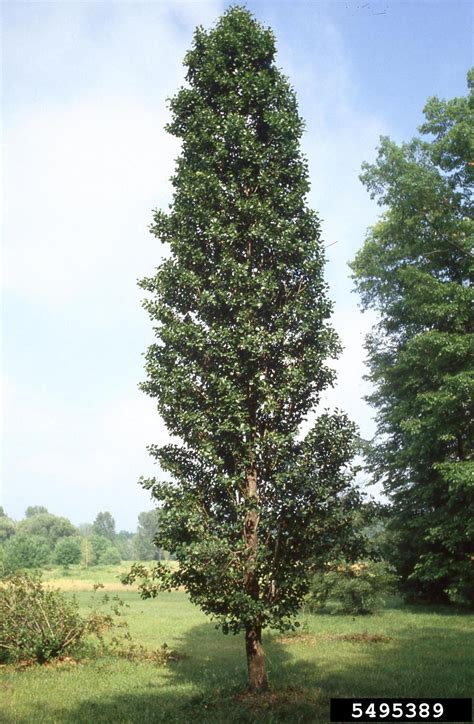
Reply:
x=255, y=659
x=253, y=630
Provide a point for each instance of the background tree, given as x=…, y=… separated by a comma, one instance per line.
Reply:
x=35, y=510
x=48, y=526
x=26, y=551
x=124, y=542
x=143, y=545
x=110, y=556
x=67, y=551
x=7, y=528
x=240, y=310
x=104, y=525
x=86, y=552
x=415, y=269
x=98, y=546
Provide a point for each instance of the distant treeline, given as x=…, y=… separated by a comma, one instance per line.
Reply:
x=42, y=539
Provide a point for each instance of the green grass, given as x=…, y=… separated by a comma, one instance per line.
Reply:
x=427, y=654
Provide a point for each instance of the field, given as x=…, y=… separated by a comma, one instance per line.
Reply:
x=400, y=652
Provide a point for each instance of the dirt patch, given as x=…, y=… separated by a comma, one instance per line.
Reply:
x=290, y=699
x=365, y=638
x=61, y=661
x=360, y=638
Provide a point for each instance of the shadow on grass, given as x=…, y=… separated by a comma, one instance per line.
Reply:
x=440, y=609
x=209, y=686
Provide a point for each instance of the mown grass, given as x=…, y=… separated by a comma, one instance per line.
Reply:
x=399, y=652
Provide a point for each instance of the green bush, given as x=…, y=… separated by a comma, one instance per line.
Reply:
x=37, y=623
x=25, y=551
x=99, y=545
x=353, y=589
x=67, y=551
x=110, y=556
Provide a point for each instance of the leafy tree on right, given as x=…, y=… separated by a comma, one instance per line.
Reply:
x=415, y=269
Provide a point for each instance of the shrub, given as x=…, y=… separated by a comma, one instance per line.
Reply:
x=37, y=623
x=99, y=545
x=110, y=556
x=7, y=528
x=353, y=589
x=25, y=551
x=67, y=551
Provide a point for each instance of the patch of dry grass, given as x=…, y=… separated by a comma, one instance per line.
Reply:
x=72, y=585
x=359, y=638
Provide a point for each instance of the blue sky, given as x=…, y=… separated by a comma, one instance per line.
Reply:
x=85, y=159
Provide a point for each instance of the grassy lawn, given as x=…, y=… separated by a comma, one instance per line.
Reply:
x=399, y=652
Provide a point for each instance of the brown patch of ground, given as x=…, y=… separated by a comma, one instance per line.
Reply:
x=362, y=638
x=291, y=699
x=366, y=638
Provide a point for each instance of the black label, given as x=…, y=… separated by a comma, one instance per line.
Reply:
x=402, y=710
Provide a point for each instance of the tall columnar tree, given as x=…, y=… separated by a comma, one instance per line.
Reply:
x=104, y=525
x=144, y=542
x=415, y=269
x=240, y=313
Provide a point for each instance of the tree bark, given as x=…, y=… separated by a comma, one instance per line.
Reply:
x=255, y=659
x=253, y=630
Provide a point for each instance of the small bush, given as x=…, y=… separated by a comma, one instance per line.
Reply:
x=67, y=551
x=110, y=557
x=352, y=589
x=37, y=623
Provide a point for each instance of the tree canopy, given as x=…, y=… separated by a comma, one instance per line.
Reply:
x=415, y=269
x=35, y=510
x=104, y=525
x=48, y=526
x=240, y=310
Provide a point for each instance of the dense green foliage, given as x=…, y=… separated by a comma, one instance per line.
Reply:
x=67, y=551
x=415, y=269
x=37, y=623
x=240, y=313
x=357, y=589
x=110, y=556
x=7, y=528
x=48, y=526
x=25, y=551
x=104, y=525
x=43, y=539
